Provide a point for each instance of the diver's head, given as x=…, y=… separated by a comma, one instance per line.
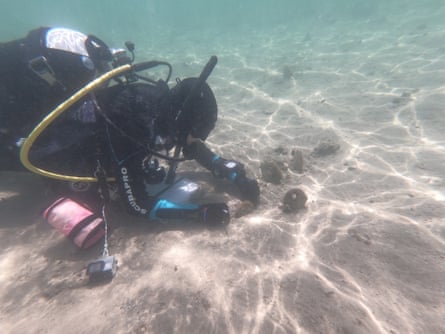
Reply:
x=198, y=117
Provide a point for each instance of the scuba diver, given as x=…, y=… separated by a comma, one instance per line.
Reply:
x=132, y=129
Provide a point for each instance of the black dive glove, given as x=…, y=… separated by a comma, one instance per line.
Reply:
x=234, y=171
x=248, y=188
x=229, y=169
x=214, y=213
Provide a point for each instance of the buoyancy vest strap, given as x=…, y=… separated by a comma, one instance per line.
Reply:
x=36, y=57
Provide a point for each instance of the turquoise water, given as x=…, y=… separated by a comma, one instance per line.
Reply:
x=124, y=19
x=172, y=29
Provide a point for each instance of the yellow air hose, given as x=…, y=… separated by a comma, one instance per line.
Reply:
x=24, y=151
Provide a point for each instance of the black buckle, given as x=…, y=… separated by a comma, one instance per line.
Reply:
x=42, y=69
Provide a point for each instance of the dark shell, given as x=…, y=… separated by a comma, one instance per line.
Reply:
x=294, y=200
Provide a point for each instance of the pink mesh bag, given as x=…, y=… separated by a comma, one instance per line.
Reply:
x=75, y=221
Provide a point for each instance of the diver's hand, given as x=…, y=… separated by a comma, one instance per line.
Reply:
x=214, y=213
x=229, y=169
x=235, y=172
x=248, y=188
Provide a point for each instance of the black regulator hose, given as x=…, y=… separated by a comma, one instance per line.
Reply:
x=150, y=64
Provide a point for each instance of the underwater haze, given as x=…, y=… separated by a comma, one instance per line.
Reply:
x=343, y=100
x=119, y=19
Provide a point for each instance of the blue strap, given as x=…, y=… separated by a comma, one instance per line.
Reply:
x=166, y=204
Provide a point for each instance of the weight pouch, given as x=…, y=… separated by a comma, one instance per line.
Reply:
x=75, y=221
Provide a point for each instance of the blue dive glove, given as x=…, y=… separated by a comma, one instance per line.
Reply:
x=234, y=171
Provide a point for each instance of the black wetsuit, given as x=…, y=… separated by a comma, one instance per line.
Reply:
x=25, y=95
x=122, y=127
x=137, y=126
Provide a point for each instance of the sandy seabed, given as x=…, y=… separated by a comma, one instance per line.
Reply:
x=364, y=105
